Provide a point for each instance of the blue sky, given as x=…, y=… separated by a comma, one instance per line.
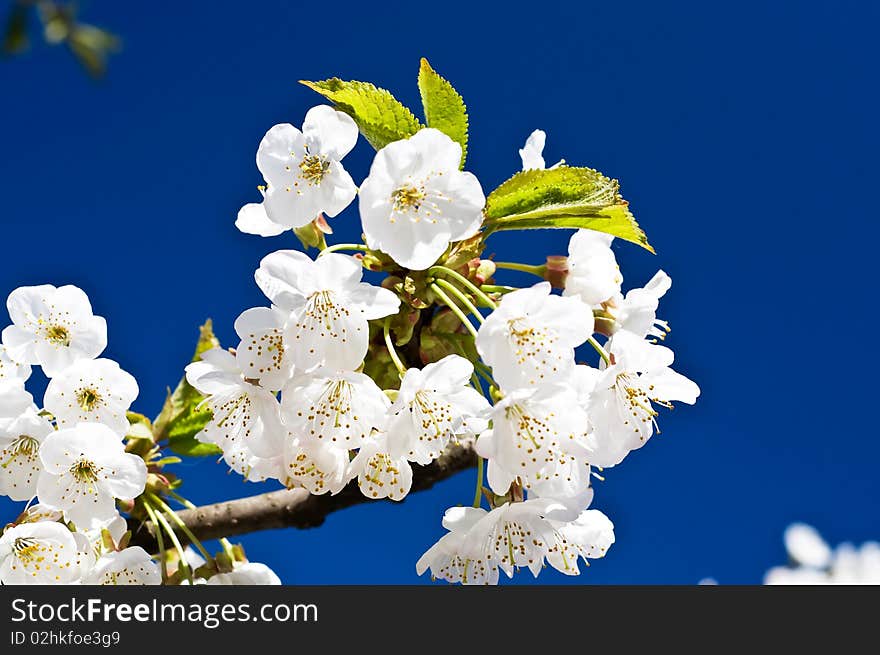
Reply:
x=744, y=137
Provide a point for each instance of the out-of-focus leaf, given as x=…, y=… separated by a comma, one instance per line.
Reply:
x=15, y=37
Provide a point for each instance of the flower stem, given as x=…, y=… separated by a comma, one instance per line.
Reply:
x=181, y=553
x=455, y=309
x=344, y=246
x=455, y=291
x=478, y=496
x=174, y=517
x=599, y=349
x=524, y=268
x=163, y=565
x=389, y=344
x=467, y=284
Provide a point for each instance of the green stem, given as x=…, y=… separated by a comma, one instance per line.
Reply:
x=478, y=496
x=524, y=268
x=467, y=284
x=224, y=542
x=484, y=373
x=345, y=246
x=455, y=291
x=163, y=565
x=497, y=288
x=599, y=349
x=389, y=344
x=181, y=553
x=174, y=517
x=455, y=309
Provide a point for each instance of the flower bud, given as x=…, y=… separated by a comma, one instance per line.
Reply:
x=556, y=271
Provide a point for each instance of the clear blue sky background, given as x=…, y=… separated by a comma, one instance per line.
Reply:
x=745, y=139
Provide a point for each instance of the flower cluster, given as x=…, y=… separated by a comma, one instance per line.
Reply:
x=338, y=380
x=70, y=454
x=72, y=460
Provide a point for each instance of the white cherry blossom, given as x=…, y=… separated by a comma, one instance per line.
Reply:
x=453, y=558
x=42, y=552
x=85, y=469
x=532, y=152
x=244, y=414
x=516, y=535
x=20, y=464
x=327, y=304
x=416, y=201
x=262, y=354
x=130, y=566
x=435, y=405
x=316, y=466
x=52, y=327
x=338, y=408
x=637, y=311
x=96, y=391
x=593, y=273
x=380, y=472
x=303, y=173
x=537, y=436
x=12, y=371
x=621, y=405
x=531, y=337
x=246, y=573
x=14, y=399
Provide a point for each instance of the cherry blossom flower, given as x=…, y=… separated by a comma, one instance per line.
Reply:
x=85, y=469
x=435, y=405
x=621, y=404
x=381, y=472
x=637, y=311
x=12, y=371
x=244, y=414
x=593, y=273
x=262, y=354
x=130, y=566
x=328, y=306
x=531, y=152
x=534, y=436
x=246, y=573
x=20, y=464
x=415, y=201
x=338, y=408
x=52, y=327
x=531, y=337
x=452, y=558
x=42, y=552
x=523, y=534
x=316, y=466
x=303, y=173
x=96, y=391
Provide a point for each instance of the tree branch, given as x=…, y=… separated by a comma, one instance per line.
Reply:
x=292, y=508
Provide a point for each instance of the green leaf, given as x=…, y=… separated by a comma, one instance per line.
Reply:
x=182, y=418
x=380, y=117
x=562, y=197
x=192, y=447
x=444, y=108
x=15, y=39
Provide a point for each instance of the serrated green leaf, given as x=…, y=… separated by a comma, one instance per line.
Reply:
x=562, y=197
x=380, y=117
x=444, y=108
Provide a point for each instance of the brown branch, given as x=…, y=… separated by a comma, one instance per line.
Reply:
x=292, y=508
